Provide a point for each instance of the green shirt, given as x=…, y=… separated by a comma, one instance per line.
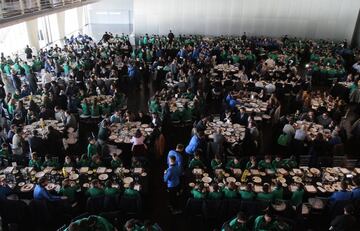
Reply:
x=49, y=163
x=111, y=191
x=85, y=109
x=229, y=194
x=101, y=224
x=277, y=164
x=116, y=163
x=94, y=192
x=246, y=195
x=261, y=225
x=27, y=69
x=297, y=197
x=265, y=196
x=215, y=195
x=216, y=164
x=197, y=194
x=95, y=110
x=69, y=192
x=4, y=153
x=231, y=164
x=131, y=193
x=264, y=165
x=91, y=150
x=186, y=114
x=195, y=163
x=236, y=226
x=35, y=163
x=278, y=193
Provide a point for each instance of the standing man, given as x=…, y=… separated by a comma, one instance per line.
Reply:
x=172, y=179
x=28, y=52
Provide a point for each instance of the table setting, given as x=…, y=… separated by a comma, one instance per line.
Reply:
x=122, y=133
x=42, y=127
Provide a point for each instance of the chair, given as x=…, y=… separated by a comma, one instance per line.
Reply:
x=230, y=207
x=15, y=212
x=130, y=206
x=114, y=217
x=194, y=213
x=111, y=202
x=41, y=216
x=212, y=212
x=253, y=208
x=95, y=205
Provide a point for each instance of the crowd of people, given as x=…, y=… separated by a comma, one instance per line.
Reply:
x=287, y=79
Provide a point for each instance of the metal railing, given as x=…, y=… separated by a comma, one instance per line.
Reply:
x=13, y=8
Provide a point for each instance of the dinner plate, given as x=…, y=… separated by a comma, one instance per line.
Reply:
x=192, y=185
x=21, y=184
x=144, y=174
x=256, y=179
x=86, y=185
x=206, y=179
x=103, y=176
x=315, y=171
x=74, y=176
x=128, y=180
x=50, y=186
x=297, y=179
x=39, y=174
x=27, y=187
x=230, y=179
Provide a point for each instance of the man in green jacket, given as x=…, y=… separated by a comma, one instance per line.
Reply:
x=239, y=222
x=264, y=222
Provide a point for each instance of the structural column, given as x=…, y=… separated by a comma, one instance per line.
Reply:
x=32, y=31
x=61, y=24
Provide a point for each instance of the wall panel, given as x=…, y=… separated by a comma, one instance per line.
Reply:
x=333, y=19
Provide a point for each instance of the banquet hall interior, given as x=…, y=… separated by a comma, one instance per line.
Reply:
x=191, y=115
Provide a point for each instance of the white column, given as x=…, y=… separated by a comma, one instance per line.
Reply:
x=32, y=31
x=61, y=24
x=80, y=15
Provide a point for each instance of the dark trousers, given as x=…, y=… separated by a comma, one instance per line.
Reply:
x=173, y=196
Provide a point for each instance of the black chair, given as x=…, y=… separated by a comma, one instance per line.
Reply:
x=230, y=207
x=252, y=208
x=194, y=213
x=111, y=203
x=130, y=206
x=212, y=212
x=40, y=214
x=15, y=212
x=95, y=205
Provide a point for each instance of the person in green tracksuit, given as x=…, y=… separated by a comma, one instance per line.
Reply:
x=35, y=162
x=91, y=148
x=130, y=192
x=278, y=192
x=264, y=222
x=84, y=161
x=230, y=191
x=215, y=193
x=110, y=190
x=196, y=162
x=116, y=161
x=266, y=194
x=239, y=222
x=95, y=189
x=91, y=223
x=48, y=162
x=277, y=162
x=176, y=115
x=216, y=163
x=198, y=192
x=297, y=195
x=234, y=163
x=247, y=194
x=95, y=109
x=266, y=164
x=186, y=114
x=68, y=190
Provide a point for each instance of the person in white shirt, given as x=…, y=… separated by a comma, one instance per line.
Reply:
x=17, y=144
x=356, y=66
x=59, y=114
x=138, y=139
x=46, y=78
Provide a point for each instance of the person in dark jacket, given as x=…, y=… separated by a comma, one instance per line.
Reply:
x=345, y=222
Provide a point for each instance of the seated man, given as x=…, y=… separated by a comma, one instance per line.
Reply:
x=355, y=193
x=239, y=222
x=346, y=221
x=196, y=162
x=91, y=223
x=264, y=222
x=130, y=192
